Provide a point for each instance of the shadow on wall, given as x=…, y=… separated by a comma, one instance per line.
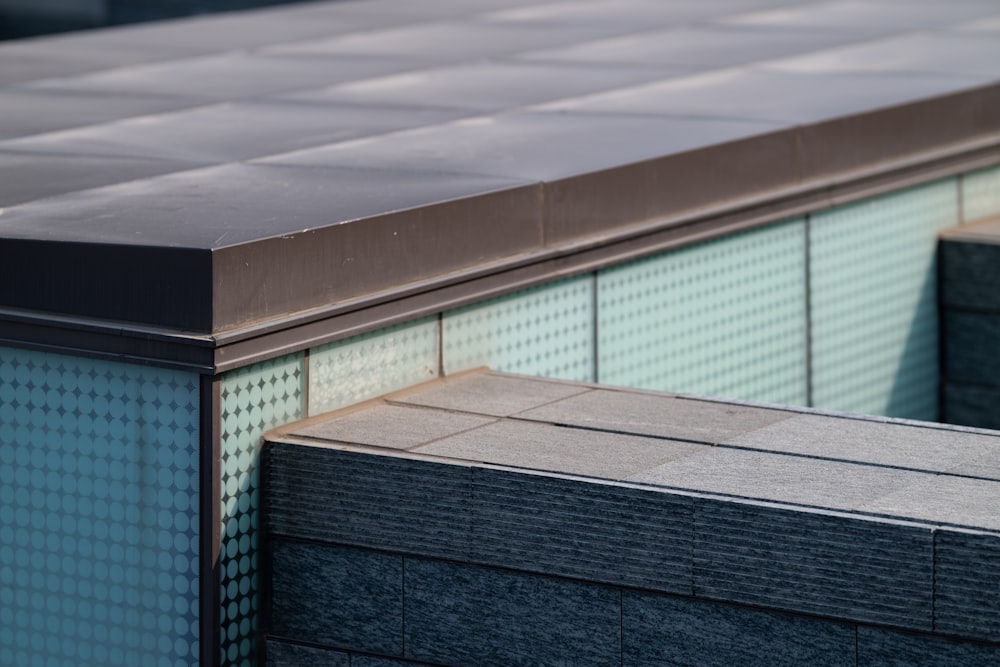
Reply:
x=915, y=389
x=27, y=18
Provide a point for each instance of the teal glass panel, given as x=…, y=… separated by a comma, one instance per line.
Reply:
x=874, y=293
x=981, y=194
x=546, y=330
x=722, y=318
x=98, y=512
x=373, y=364
x=254, y=400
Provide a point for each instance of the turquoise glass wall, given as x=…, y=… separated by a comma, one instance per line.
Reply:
x=721, y=318
x=253, y=400
x=981, y=194
x=874, y=302
x=99, y=494
x=546, y=330
x=373, y=364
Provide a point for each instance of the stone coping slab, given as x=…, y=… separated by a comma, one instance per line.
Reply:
x=902, y=471
x=837, y=516
x=218, y=176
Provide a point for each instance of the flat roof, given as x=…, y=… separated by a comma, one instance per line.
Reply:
x=213, y=179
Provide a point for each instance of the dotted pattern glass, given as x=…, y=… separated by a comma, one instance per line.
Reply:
x=722, y=318
x=373, y=364
x=981, y=194
x=546, y=330
x=98, y=512
x=874, y=294
x=254, y=399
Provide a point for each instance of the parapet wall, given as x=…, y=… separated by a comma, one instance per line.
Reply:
x=491, y=519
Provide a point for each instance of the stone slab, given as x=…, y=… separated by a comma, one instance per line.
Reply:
x=225, y=132
x=483, y=86
x=656, y=415
x=659, y=630
x=287, y=654
x=886, y=648
x=395, y=426
x=702, y=46
x=358, y=499
x=971, y=341
x=336, y=596
x=928, y=448
x=970, y=268
x=605, y=533
x=463, y=615
x=814, y=562
x=488, y=394
x=966, y=590
x=565, y=450
x=971, y=405
x=973, y=503
x=781, y=478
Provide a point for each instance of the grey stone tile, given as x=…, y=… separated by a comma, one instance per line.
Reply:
x=966, y=591
x=27, y=112
x=986, y=466
x=966, y=55
x=971, y=340
x=659, y=415
x=848, y=13
x=698, y=46
x=71, y=54
x=985, y=25
x=641, y=14
x=971, y=405
x=337, y=596
x=781, y=478
x=566, y=450
x=885, y=648
x=285, y=654
x=543, y=146
x=229, y=31
x=596, y=532
x=232, y=204
x=463, y=615
x=659, y=630
x=395, y=426
x=946, y=499
x=932, y=449
x=598, y=167
x=483, y=86
x=26, y=177
x=455, y=40
x=488, y=394
x=814, y=562
x=226, y=132
x=768, y=95
x=224, y=76
x=359, y=499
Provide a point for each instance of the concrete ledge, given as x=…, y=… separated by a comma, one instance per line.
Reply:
x=856, y=522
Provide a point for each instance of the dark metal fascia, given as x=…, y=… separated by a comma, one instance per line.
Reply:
x=226, y=350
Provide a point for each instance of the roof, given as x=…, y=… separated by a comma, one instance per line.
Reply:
x=220, y=176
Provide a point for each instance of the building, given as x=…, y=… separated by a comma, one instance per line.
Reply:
x=218, y=226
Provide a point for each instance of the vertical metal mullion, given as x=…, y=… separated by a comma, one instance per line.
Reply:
x=809, y=328
x=210, y=519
